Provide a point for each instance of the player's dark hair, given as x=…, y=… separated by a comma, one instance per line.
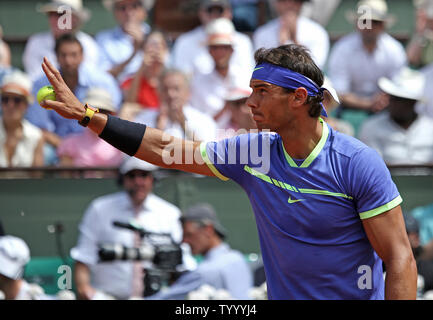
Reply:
x=67, y=38
x=296, y=58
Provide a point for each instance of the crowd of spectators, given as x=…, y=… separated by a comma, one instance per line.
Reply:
x=184, y=85
x=196, y=87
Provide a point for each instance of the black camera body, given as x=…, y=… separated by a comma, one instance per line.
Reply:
x=165, y=255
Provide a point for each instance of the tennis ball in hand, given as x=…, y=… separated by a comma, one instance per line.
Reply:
x=46, y=93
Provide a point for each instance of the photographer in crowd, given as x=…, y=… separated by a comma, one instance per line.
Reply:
x=221, y=268
x=121, y=279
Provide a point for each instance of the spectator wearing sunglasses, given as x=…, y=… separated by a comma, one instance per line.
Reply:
x=21, y=143
x=121, y=46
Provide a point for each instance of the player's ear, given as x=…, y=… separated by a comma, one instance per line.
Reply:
x=300, y=96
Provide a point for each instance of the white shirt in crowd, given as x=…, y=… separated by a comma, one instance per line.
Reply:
x=353, y=70
x=42, y=45
x=397, y=145
x=201, y=125
x=308, y=33
x=115, y=278
x=25, y=149
x=190, y=53
x=425, y=107
x=208, y=90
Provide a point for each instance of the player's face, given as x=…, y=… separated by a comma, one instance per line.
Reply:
x=269, y=105
x=69, y=56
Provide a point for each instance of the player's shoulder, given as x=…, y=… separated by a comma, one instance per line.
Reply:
x=345, y=145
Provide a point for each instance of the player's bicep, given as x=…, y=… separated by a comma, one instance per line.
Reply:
x=387, y=234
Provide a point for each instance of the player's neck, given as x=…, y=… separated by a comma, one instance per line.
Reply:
x=301, y=137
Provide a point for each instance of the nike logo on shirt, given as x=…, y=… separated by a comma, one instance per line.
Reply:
x=294, y=200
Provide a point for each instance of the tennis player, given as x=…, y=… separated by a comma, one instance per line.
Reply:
x=326, y=208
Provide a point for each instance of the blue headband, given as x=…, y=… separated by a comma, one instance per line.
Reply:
x=287, y=78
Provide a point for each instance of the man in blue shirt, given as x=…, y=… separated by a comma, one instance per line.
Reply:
x=327, y=211
x=122, y=46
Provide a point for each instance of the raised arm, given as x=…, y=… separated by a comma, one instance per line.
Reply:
x=156, y=146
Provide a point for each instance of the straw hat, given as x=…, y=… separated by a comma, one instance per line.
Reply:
x=376, y=10
x=76, y=6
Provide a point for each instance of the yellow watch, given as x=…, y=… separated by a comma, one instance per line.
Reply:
x=90, y=111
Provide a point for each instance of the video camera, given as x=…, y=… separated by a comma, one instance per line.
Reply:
x=158, y=248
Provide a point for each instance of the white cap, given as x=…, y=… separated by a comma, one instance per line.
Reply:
x=76, y=6
x=327, y=84
x=17, y=82
x=100, y=98
x=147, y=4
x=14, y=255
x=133, y=163
x=407, y=83
x=220, y=32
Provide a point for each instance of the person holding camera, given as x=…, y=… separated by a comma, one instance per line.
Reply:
x=221, y=268
x=121, y=279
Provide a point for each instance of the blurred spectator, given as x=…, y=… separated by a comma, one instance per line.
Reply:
x=190, y=53
x=425, y=107
x=331, y=102
x=79, y=77
x=14, y=256
x=424, y=215
x=420, y=48
x=121, y=47
x=175, y=116
x=292, y=27
x=359, y=59
x=423, y=253
x=221, y=267
x=86, y=149
x=245, y=14
x=21, y=143
x=320, y=11
x=142, y=88
x=208, y=89
x=5, y=57
x=42, y=44
x=5, y=52
x=241, y=119
x=135, y=203
x=399, y=134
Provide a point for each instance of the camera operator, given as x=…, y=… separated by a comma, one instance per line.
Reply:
x=221, y=267
x=121, y=279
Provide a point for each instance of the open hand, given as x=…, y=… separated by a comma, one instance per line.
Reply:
x=67, y=105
